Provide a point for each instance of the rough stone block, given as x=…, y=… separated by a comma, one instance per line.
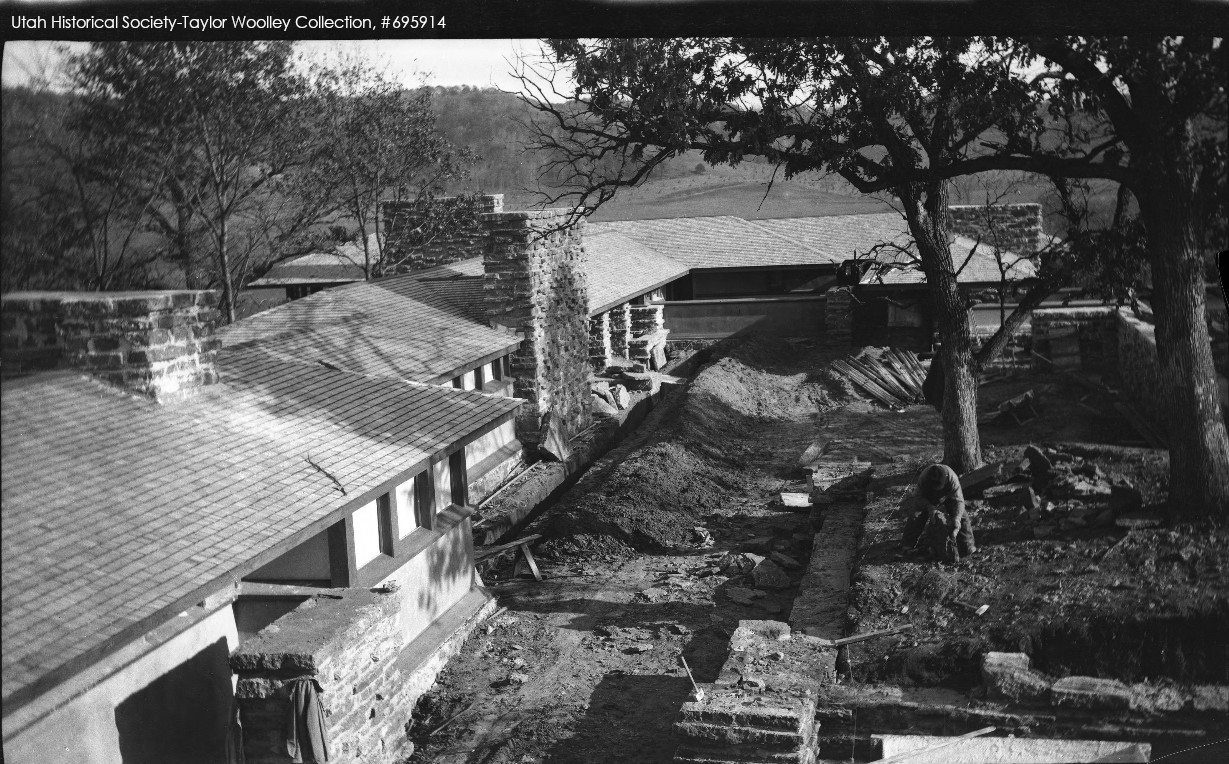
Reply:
x=1090, y=693
x=768, y=575
x=1007, y=677
x=1210, y=698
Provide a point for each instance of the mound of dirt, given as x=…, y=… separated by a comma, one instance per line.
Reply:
x=700, y=456
x=650, y=501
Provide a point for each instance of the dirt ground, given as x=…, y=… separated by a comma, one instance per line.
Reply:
x=1148, y=604
x=585, y=666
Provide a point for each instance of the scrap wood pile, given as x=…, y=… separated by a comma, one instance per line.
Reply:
x=894, y=378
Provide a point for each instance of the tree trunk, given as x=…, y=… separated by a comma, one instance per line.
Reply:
x=1199, y=444
x=926, y=210
x=1008, y=326
x=228, y=290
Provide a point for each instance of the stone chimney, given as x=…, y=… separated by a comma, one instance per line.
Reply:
x=1014, y=227
x=535, y=283
x=157, y=344
x=401, y=218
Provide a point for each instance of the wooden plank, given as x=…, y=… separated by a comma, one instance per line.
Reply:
x=481, y=553
x=871, y=635
x=876, y=392
x=533, y=564
x=863, y=637
x=910, y=362
x=873, y=372
x=900, y=757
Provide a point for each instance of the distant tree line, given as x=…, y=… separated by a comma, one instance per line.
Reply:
x=200, y=164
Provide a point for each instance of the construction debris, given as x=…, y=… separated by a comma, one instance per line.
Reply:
x=1017, y=410
x=1058, y=491
x=893, y=379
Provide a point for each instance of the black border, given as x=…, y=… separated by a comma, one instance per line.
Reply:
x=655, y=18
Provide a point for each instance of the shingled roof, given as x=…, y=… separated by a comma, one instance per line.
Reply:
x=118, y=512
x=401, y=326
x=620, y=268
x=729, y=242
x=713, y=242
x=317, y=268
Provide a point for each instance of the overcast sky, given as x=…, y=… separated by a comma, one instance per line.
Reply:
x=481, y=63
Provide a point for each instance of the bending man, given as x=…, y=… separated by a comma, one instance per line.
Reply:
x=937, y=521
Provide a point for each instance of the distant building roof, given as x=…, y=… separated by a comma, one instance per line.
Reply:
x=401, y=326
x=342, y=265
x=975, y=264
x=117, y=510
x=715, y=242
x=729, y=242
x=620, y=268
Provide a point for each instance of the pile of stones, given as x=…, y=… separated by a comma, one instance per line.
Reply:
x=1058, y=491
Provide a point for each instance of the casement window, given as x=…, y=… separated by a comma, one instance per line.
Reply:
x=414, y=504
x=373, y=531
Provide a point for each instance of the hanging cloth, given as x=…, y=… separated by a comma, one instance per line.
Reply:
x=306, y=739
x=234, y=736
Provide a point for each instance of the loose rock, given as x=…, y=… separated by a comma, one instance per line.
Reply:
x=1038, y=463
x=768, y=575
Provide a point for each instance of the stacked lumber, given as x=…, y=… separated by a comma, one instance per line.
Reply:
x=893, y=379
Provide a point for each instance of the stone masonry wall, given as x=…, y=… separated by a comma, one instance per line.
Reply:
x=1073, y=338
x=401, y=218
x=535, y=283
x=620, y=330
x=1014, y=227
x=599, y=341
x=157, y=344
x=838, y=319
x=350, y=641
x=649, y=335
x=1017, y=354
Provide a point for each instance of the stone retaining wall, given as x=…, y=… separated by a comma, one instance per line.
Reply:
x=157, y=344
x=1076, y=338
x=350, y=641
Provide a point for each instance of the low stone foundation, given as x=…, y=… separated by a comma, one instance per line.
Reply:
x=351, y=643
x=761, y=709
